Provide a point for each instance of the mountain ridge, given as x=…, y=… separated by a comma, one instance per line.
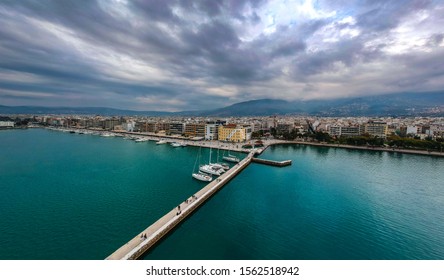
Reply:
x=407, y=104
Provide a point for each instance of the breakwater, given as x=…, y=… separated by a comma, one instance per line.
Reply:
x=272, y=162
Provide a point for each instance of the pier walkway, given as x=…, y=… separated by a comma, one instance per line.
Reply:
x=140, y=244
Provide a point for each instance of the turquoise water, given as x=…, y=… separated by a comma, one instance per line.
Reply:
x=65, y=196
x=69, y=196
x=330, y=204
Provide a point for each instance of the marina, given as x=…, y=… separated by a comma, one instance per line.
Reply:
x=141, y=243
x=99, y=193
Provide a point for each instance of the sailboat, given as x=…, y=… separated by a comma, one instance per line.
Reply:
x=218, y=164
x=200, y=175
x=231, y=158
x=211, y=168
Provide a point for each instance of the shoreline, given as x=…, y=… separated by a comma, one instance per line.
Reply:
x=366, y=148
x=237, y=147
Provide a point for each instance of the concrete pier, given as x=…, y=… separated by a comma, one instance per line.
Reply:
x=140, y=244
x=272, y=162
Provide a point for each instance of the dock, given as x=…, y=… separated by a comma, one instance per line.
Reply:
x=272, y=162
x=142, y=242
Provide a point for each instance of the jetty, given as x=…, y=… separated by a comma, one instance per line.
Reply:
x=272, y=162
x=142, y=242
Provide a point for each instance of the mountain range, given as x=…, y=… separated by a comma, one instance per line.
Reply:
x=406, y=104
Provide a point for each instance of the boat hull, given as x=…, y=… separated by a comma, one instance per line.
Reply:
x=202, y=177
x=209, y=170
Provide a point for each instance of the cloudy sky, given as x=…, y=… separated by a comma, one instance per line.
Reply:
x=201, y=54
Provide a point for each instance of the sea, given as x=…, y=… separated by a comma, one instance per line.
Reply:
x=69, y=197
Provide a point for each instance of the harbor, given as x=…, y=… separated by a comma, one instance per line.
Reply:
x=142, y=242
x=149, y=237
x=229, y=146
x=101, y=192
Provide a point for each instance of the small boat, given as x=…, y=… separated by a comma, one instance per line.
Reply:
x=161, y=141
x=224, y=165
x=176, y=145
x=202, y=176
x=218, y=167
x=210, y=170
x=141, y=139
x=231, y=158
x=107, y=135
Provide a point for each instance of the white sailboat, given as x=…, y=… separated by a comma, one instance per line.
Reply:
x=212, y=168
x=200, y=175
x=219, y=164
x=161, y=141
x=231, y=158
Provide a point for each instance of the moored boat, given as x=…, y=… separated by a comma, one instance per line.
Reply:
x=217, y=166
x=210, y=170
x=107, y=134
x=202, y=177
x=175, y=144
x=231, y=158
x=141, y=139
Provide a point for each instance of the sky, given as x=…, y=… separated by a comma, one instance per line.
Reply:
x=172, y=55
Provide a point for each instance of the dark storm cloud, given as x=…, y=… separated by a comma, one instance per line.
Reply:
x=383, y=15
x=195, y=53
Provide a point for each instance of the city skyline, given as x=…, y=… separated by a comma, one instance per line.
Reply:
x=188, y=55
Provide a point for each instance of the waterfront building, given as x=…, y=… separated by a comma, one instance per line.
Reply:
x=194, y=130
x=111, y=123
x=6, y=124
x=176, y=128
x=129, y=126
x=234, y=133
x=211, y=131
x=413, y=130
x=151, y=127
x=334, y=130
x=163, y=127
x=350, y=130
x=376, y=128
x=140, y=126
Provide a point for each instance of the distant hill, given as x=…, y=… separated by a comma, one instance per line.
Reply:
x=407, y=104
x=104, y=111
